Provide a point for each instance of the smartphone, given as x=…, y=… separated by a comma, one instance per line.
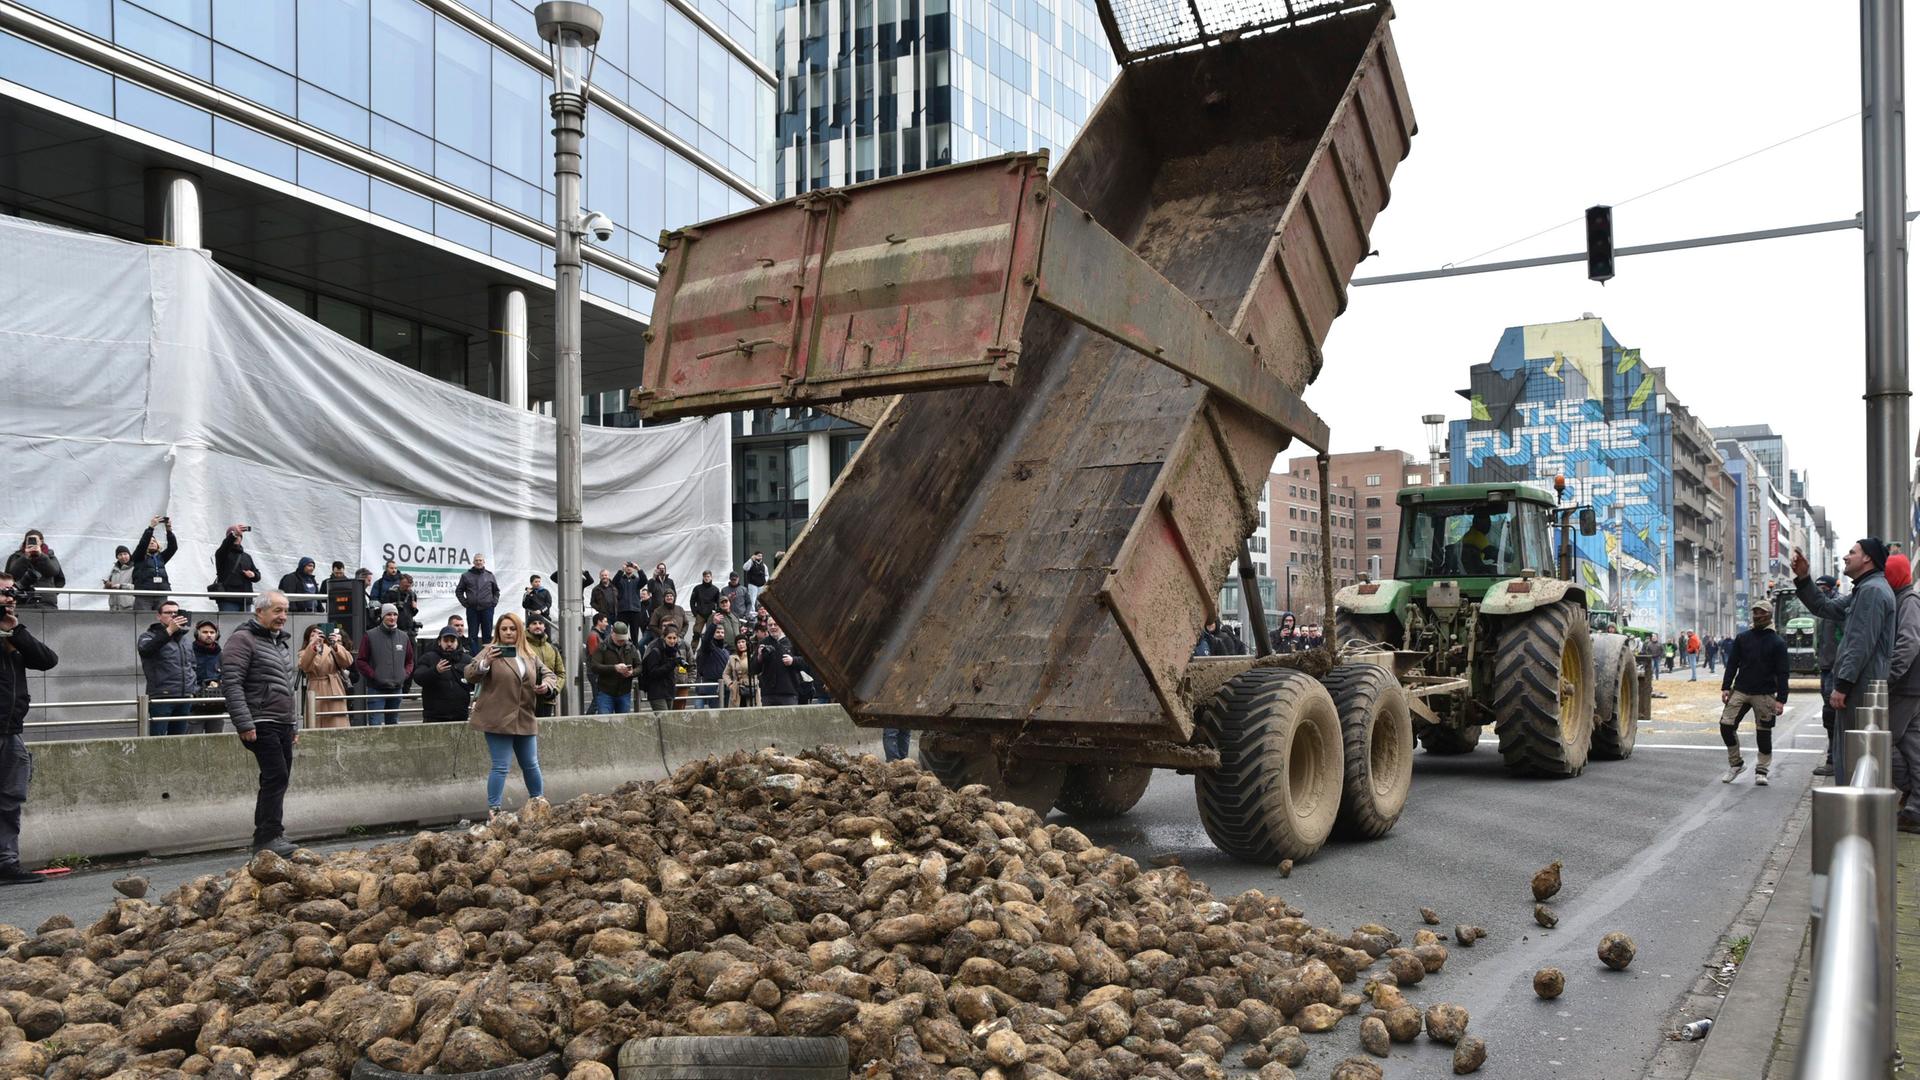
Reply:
x=507, y=652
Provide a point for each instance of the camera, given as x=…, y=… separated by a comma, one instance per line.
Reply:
x=599, y=224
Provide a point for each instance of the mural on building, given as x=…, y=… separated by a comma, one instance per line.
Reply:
x=1564, y=399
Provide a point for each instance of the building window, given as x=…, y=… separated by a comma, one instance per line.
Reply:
x=1413, y=478
x=1293, y=535
x=1373, y=481
x=1263, y=519
x=1293, y=490
x=1293, y=512
x=1373, y=543
x=1373, y=523
x=1373, y=502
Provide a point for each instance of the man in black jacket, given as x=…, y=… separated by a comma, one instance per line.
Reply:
x=150, y=564
x=1756, y=679
x=233, y=569
x=704, y=599
x=537, y=600
x=20, y=652
x=302, y=583
x=444, y=695
x=775, y=665
x=657, y=670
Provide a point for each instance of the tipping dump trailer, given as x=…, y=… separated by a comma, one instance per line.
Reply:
x=1103, y=362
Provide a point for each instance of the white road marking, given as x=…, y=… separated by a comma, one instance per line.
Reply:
x=1690, y=746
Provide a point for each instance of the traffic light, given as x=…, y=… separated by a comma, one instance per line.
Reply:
x=1599, y=243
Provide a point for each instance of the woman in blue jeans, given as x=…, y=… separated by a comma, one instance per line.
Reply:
x=512, y=680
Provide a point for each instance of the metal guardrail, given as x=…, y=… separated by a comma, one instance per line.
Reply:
x=142, y=707
x=1849, y=1023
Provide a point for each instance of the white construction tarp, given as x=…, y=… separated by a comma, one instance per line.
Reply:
x=145, y=380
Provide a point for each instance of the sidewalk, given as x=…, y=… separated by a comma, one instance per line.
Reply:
x=1758, y=1029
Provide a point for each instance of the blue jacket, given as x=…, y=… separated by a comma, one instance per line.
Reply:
x=1866, y=640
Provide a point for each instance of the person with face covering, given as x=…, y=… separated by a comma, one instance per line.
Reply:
x=1756, y=680
x=512, y=680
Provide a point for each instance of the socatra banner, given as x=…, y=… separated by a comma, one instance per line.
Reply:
x=436, y=544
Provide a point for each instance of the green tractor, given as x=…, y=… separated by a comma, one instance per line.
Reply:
x=1797, y=625
x=1486, y=626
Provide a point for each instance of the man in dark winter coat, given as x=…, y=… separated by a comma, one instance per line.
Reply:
x=150, y=564
x=704, y=598
x=660, y=583
x=536, y=600
x=1866, y=641
x=777, y=668
x=389, y=580
x=630, y=596
x=444, y=693
x=1756, y=680
x=34, y=566
x=605, y=598
x=479, y=593
x=257, y=678
x=385, y=663
x=20, y=652
x=233, y=569
x=166, y=657
x=302, y=583
x=615, y=666
x=657, y=669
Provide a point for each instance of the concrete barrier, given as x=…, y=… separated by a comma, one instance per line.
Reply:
x=183, y=793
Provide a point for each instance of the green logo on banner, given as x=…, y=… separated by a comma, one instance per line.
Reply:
x=428, y=525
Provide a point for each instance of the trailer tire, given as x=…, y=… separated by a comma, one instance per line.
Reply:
x=734, y=1057
x=1092, y=792
x=1349, y=626
x=1033, y=785
x=1276, y=791
x=1376, y=730
x=1616, y=697
x=1543, y=697
x=1448, y=740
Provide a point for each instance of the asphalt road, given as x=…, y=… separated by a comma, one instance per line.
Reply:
x=1655, y=846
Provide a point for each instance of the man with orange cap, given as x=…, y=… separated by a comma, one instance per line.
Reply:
x=1903, y=689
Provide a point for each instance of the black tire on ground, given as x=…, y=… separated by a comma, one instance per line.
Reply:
x=1376, y=731
x=1446, y=740
x=1348, y=626
x=1276, y=791
x=1034, y=785
x=1102, y=791
x=526, y=1070
x=1616, y=697
x=1543, y=691
x=734, y=1057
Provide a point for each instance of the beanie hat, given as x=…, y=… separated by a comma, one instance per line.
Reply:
x=388, y=609
x=619, y=628
x=1899, y=571
x=122, y=550
x=1875, y=549
x=1826, y=579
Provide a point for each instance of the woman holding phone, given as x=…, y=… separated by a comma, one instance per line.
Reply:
x=512, y=680
x=322, y=660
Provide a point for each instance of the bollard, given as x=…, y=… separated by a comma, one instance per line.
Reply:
x=1842, y=812
x=142, y=715
x=1872, y=743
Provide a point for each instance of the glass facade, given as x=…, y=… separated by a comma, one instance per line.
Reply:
x=404, y=81
x=874, y=88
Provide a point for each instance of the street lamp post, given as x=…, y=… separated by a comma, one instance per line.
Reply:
x=572, y=34
x=1433, y=422
x=1666, y=590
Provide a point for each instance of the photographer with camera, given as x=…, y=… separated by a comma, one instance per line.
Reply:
x=233, y=569
x=35, y=567
x=20, y=652
x=323, y=660
x=166, y=656
x=150, y=563
x=536, y=601
x=775, y=666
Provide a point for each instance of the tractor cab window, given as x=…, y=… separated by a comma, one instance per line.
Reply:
x=1458, y=540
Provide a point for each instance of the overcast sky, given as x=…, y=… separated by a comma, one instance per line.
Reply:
x=1528, y=113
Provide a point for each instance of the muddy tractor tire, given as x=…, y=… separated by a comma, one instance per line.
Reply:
x=1276, y=791
x=1543, y=691
x=1616, y=697
x=1376, y=730
x=1382, y=629
x=1034, y=785
x=1447, y=740
x=1092, y=792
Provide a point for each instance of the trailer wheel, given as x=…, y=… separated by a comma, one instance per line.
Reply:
x=1032, y=784
x=1447, y=740
x=1276, y=790
x=1102, y=791
x=1372, y=629
x=1376, y=730
x=1543, y=701
x=1616, y=696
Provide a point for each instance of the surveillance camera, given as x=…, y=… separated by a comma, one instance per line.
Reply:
x=599, y=224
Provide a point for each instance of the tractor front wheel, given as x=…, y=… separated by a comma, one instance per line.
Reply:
x=1543, y=691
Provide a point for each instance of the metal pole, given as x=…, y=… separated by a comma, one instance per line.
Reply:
x=1884, y=174
x=1326, y=552
x=569, y=118
x=1843, y=1036
x=1250, y=606
x=1841, y=814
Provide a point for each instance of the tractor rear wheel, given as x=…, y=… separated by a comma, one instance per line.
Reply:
x=1616, y=696
x=1543, y=696
x=1091, y=792
x=1376, y=731
x=1369, y=629
x=1448, y=740
x=1276, y=791
x=1032, y=784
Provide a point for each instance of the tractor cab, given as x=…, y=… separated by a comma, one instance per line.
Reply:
x=1476, y=534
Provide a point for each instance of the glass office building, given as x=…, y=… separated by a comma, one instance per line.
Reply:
x=385, y=166
x=874, y=88
x=869, y=89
